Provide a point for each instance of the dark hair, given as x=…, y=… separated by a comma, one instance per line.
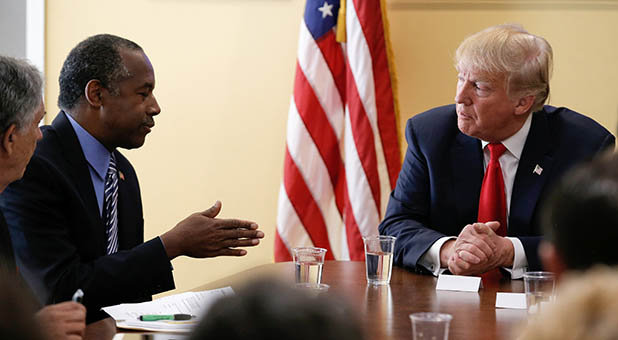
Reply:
x=581, y=215
x=21, y=86
x=97, y=57
x=268, y=310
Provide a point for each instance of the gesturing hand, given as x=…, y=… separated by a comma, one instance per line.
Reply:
x=202, y=235
x=64, y=321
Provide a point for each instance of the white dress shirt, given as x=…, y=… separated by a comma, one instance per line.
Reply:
x=508, y=162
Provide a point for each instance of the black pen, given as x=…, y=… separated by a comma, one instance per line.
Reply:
x=154, y=317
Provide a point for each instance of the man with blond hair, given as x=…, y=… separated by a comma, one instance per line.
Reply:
x=475, y=171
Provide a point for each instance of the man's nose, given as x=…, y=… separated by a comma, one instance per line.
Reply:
x=153, y=108
x=462, y=94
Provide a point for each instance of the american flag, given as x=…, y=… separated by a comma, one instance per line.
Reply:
x=342, y=155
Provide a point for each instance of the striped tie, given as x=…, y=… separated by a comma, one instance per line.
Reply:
x=110, y=212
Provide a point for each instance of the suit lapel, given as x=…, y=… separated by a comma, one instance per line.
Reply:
x=125, y=207
x=467, y=170
x=529, y=182
x=79, y=172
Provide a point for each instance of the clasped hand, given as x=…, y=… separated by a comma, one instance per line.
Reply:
x=479, y=249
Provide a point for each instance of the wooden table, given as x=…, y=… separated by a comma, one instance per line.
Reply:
x=384, y=310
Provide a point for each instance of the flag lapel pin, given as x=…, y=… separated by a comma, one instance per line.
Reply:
x=121, y=175
x=537, y=170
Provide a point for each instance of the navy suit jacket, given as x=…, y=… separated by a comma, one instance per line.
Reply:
x=438, y=188
x=59, y=236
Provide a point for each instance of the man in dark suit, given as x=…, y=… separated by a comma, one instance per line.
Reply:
x=76, y=217
x=21, y=110
x=448, y=210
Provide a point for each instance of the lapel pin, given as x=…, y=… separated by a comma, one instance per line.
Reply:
x=537, y=170
x=121, y=175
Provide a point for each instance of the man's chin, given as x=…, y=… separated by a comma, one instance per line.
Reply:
x=463, y=125
x=133, y=144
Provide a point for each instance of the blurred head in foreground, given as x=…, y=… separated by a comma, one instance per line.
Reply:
x=270, y=310
x=580, y=218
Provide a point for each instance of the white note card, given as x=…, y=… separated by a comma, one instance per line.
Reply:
x=458, y=283
x=511, y=300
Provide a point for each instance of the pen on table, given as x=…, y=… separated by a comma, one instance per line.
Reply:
x=152, y=317
x=78, y=296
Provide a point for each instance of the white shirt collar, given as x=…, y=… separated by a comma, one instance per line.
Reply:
x=515, y=143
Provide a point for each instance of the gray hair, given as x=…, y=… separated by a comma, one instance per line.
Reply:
x=21, y=86
x=509, y=50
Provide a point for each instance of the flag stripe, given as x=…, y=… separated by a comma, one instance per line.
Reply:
x=316, y=123
x=354, y=237
x=281, y=250
x=289, y=227
x=363, y=138
x=361, y=199
x=370, y=18
x=360, y=64
x=306, y=208
x=304, y=152
x=316, y=70
x=333, y=54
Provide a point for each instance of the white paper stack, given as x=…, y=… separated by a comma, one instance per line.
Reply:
x=127, y=315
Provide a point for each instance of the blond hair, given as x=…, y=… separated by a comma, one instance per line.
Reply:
x=586, y=308
x=524, y=59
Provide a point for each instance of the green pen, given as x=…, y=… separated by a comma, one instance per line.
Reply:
x=176, y=317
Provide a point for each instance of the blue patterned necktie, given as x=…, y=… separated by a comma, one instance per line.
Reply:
x=110, y=212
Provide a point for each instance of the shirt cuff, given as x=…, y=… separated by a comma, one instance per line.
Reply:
x=431, y=259
x=164, y=250
x=520, y=262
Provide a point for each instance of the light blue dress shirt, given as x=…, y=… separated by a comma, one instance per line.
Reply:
x=97, y=157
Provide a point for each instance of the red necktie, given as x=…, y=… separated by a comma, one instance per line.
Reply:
x=492, y=204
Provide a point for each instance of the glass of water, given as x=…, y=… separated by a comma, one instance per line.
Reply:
x=540, y=288
x=308, y=262
x=379, y=258
x=430, y=326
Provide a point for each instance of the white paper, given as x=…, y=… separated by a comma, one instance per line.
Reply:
x=458, y=283
x=511, y=300
x=127, y=315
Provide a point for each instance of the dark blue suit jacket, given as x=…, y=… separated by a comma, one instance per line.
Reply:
x=59, y=236
x=439, y=185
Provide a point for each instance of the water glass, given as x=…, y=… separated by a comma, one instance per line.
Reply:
x=379, y=258
x=430, y=326
x=540, y=288
x=308, y=262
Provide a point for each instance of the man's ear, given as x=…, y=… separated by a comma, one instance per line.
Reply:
x=93, y=92
x=524, y=104
x=8, y=140
x=551, y=259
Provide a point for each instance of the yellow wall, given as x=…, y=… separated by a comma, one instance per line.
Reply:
x=224, y=79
